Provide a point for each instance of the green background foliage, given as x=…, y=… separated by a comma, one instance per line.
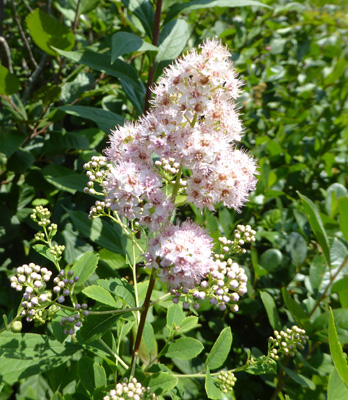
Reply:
x=69, y=76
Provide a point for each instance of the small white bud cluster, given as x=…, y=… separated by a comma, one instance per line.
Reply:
x=64, y=284
x=130, y=389
x=32, y=276
x=74, y=320
x=98, y=209
x=97, y=171
x=57, y=250
x=226, y=380
x=168, y=165
x=287, y=342
x=243, y=234
x=223, y=285
x=41, y=215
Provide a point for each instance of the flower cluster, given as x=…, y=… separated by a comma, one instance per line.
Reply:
x=130, y=390
x=75, y=320
x=287, y=342
x=186, y=262
x=226, y=380
x=64, y=284
x=192, y=129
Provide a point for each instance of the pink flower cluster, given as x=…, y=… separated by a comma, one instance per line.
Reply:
x=194, y=123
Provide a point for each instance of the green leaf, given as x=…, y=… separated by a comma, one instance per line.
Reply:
x=96, y=326
x=85, y=266
x=101, y=62
x=188, y=323
x=341, y=287
x=28, y=354
x=337, y=354
x=271, y=310
x=85, y=6
x=220, y=350
x=333, y=194
x=336, y=390
x=9, y=83
x=135, y=95
x=297, y=247
x=271, y=259
x=320, y=325
x=295, y=309
x=120, y=288
x=316, y=225
x=300, y=379
x=161, y=382
x=262, y=366
x=126, y=42
x=91, y=374
x=149, y=337
x=172, y=40
x=64, y=178
x=10, y=141
x=143, y=10
x=47, y=32
x=98, y=231
x=100, y=294
x=184, y=348
x=44, y=251
x=201, y=4
x=175, y=315
x=343, y=210
x=213, y=392
x=105, y=119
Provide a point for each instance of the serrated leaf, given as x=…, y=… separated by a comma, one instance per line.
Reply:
x=120, y=288
x=161, y=382
x=337, y=354
x=188, y=323
x=9, y=83
x=271, y=310
x=316, y=225
x=96, y=326
x=184, y=348
x=100, y=294
x=300, y=379
x=98, y=231
x=91, y=374
x=47, y=32
x=105, y=119
x=295, y=309
x=101, y=62
x=213, y=392
x=143, y=10
x=85, y=266
x=173, y=40
x=201, y=4
x=44, y=250
x=28, y=354
x=126, y=42
x=266, y=366
x=220, y=350
x=175, y=315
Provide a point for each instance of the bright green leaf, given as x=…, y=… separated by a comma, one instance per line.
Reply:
x=100, y=294
x=175, y=315
x=343, y=209
x=336, y=390
x=213, y=392
x=220, y=350
x=184, y=348
x=85, y=266
x=271, y=310
x=47, y=32
x=9, y=83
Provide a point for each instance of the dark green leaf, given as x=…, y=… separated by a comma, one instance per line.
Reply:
x=120, y=288
x=261, y=366
x=105, y=119
x=10, y=141
x=300, y=379
x=271, y=259
x=295, y=309
x=97, y=325
x=126, y=42
x=44, y=251
x=271, y=310
x=297, y=247
x=316, y=225
x=143, y=10
x=64, y=178
x=343, y=209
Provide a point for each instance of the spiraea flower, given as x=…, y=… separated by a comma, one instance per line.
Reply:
x=287, y=342
x=130, y=389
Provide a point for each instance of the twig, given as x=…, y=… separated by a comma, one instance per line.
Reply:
x=21, y=32
x=5, y=54
x=118, y=358
x=156, y=26
x=76, y=21
x=34, y=77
